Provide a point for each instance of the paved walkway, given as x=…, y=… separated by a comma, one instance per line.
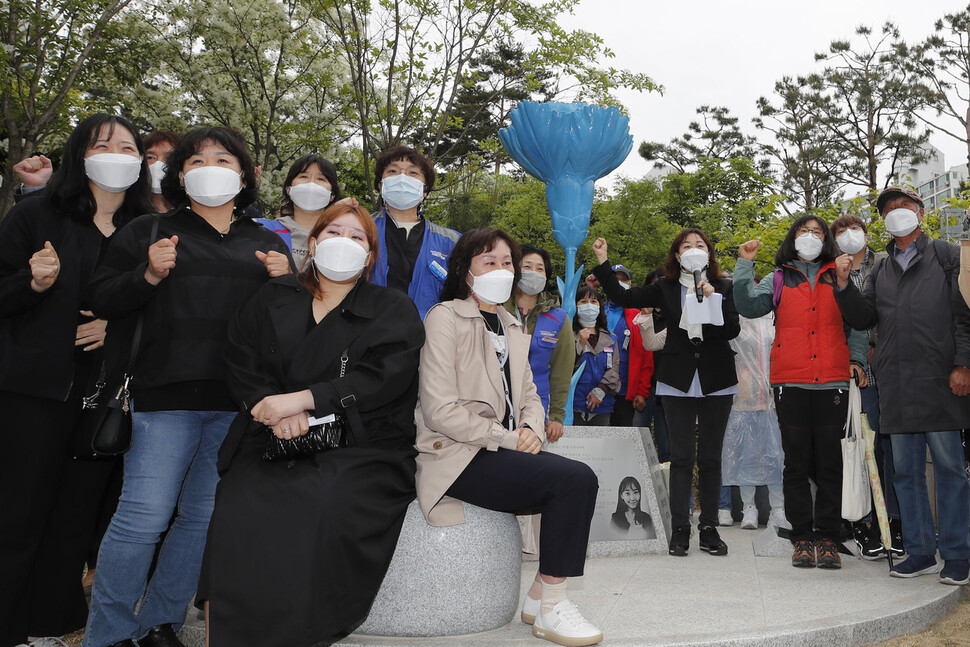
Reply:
x=734, y=601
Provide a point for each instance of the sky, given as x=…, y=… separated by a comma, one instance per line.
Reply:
x=729, y=53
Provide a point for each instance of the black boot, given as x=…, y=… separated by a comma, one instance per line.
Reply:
x=160, y=636
x=124, y=643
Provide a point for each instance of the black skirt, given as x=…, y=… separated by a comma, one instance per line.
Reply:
x=298, y=550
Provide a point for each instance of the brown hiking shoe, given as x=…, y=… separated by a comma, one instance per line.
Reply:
x=804, y=554
x=827, y=552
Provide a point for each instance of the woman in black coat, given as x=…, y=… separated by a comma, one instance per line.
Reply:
x=50, y=353
x=297, y=549
x=696, y=377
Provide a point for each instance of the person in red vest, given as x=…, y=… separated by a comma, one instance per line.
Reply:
x=813, y=357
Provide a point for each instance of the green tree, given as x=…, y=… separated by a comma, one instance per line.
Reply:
x=940, y=68
x=867, y=106
x=263, y=67
x=808, y=164
x=406, y=62
x=51, y=49
x=715, y=135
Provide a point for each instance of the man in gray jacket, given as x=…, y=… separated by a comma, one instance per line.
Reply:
x=921, y=362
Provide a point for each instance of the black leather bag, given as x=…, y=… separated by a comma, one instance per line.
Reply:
x=105, y=425
x=321, y=437
x=104, y=429
x=327, y=435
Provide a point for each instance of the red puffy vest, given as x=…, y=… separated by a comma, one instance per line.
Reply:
x=809, y=346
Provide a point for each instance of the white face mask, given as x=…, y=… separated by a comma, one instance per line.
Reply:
x=402, y=191
x=693, y=259
x=901, y=222
x=587, y=314
x=851, y=241
x=808, y=246
x=113, y=172
x=493, y=287
x=339, y=258
x=212, y=186
x=532, y=282
x=310, y=196
x=624, y=285
x=157, y=171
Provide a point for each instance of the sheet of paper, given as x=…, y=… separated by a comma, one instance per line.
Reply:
x=706, y=312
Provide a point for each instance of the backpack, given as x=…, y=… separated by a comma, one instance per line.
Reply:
x=950, y=266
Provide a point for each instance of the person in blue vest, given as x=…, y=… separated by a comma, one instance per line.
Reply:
x=309, y=188
x=597, y=386
x=551, y=351
x=414, y=252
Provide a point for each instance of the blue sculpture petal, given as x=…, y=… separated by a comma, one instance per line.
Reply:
x=568, y=146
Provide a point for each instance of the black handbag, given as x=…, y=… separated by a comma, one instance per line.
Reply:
x=330, y=433
x=321, y=437
x=105, y=426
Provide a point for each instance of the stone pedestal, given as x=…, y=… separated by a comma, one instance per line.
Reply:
x=615, y=453
x=452, y=580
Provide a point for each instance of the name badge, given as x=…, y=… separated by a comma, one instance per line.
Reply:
x=437, y=270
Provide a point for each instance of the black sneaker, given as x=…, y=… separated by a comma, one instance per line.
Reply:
x=680, y=541
x=867, y=539
x=711, y=542
x=896, y=532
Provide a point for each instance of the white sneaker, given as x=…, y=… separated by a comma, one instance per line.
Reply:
x=530, y=609
x=749, y=518
x=565, y=625
x=724, y=518
x=778, y=519
x=45, y=642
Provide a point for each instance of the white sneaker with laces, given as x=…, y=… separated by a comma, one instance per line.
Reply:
x=749, y=518
x=724, y=517
x=565, y=625
x=778, y=519
x=530, y=609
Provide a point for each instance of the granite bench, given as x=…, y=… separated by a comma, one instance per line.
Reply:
x=446, y=581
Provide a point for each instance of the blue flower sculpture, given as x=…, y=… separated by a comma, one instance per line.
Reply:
x=568, y=146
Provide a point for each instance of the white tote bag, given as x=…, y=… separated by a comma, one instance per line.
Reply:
x=856, y=496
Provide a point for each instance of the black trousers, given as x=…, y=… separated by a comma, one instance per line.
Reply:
x=58, y=605
x=562, y=489
x=36, y=436
x=622, y=415
x=708, y=417
x=811, y=423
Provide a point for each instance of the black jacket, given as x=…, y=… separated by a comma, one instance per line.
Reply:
x=37, y=330
x=713, y=358
x=187, y=315
x=271, y=352
x=924, y=332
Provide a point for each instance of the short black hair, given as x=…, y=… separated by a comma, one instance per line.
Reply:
x=470, y=245
x=326, y=167
x=190, y=144
x=69, y=191
x=397, y=153
x=786, y=251
x=546, y=260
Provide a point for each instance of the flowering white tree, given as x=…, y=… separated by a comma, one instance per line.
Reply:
x=50, y=49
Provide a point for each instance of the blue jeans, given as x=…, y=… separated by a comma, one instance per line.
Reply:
x=952, y=493
x=170, y=468
x=883, y=453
